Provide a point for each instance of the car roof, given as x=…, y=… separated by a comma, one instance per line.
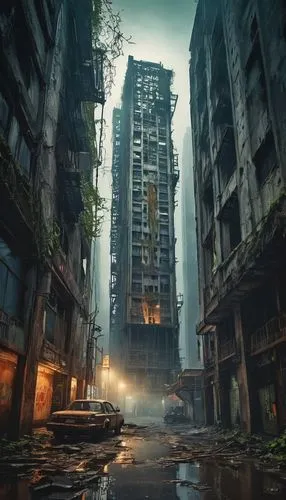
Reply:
x=89, y=401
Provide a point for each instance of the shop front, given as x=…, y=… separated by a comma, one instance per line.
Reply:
x=8, y=365
x=44, y=394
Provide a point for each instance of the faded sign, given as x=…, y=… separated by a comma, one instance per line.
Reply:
x=50, y=354
x=73, y=388
x=7, y=377
x=44, y=392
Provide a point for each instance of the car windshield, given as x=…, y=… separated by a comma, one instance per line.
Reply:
x=86, y=406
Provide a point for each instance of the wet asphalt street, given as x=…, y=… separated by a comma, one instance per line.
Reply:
x=148, y=461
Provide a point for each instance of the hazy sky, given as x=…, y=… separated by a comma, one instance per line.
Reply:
x=161, y=31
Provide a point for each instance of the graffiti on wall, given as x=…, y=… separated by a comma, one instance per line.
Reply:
x=44, y=393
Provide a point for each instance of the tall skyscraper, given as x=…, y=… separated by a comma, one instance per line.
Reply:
x=144, y=318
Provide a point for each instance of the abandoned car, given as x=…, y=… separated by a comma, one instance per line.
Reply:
x=86, y=417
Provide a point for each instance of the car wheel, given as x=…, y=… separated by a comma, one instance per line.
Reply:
x=105, y=430
x=117, y=430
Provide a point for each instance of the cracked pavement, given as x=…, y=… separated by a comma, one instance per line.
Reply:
x=148, y=461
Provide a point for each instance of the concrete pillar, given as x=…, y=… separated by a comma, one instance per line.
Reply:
x=242, y=376
x=217, y=395
x=29, y=370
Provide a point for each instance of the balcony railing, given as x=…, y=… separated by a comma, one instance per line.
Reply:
x=226, y=350
x=274, y=331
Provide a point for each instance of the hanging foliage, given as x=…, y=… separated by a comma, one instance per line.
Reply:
x=107, y=36
x=94, y=207
x=46, y=236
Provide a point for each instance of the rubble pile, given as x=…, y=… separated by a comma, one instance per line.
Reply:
x=50, y=467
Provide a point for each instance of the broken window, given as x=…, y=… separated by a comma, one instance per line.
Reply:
x=208, y=207
x=56, y=325
x=11, y=284
x=222, y=116
x=209, y=256
x=259, y=307
x=256, y=90
x=136, y=236
x=230, y=226
x=226, y=160
x=209, y=347
x=265, y=159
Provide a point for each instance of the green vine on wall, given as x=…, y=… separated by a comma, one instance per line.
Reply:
x=89, y=109
x=94, y=207
x=53, y=233
x=46, y=237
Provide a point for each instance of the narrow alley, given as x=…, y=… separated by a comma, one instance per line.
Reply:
x=149, y=460
x=142, y=249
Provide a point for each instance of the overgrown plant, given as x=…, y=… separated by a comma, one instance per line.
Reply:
x=94, y=207
x=109, y=39
x=46, y=239
x=277, y=447
x=107, y=36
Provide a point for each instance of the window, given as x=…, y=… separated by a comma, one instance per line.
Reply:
x=109, y=408
x=227, y=155
x=86, y=406
x=136, y=251
x=256, y=91
x=56, y=325
x=208, y=207
x=265, y=159
x=136, y=261
x=209, y=256
x=230, y=226
x=11, y=285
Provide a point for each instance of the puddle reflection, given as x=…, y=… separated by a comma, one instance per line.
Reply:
x=186, y=481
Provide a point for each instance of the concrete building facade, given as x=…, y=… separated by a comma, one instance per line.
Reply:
x=237, y=80
x=47, y=77
x=144, y=342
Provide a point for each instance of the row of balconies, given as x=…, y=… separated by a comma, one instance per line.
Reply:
x=266, y=337
x=270, y=334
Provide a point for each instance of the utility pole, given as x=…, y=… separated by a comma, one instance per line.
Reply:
x=90, y=349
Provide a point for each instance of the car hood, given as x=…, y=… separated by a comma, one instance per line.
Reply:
x=74, y=413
